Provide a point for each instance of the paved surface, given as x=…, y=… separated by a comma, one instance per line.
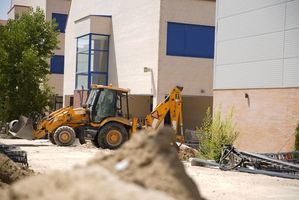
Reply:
x=213, y=183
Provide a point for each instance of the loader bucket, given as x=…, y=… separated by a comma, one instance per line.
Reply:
x=22, y=128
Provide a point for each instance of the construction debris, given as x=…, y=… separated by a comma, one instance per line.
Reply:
x=186, y=152
x=15, y=153
x=282, y=165
x=146, y=167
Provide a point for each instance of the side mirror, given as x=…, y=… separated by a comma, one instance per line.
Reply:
x=84, y=106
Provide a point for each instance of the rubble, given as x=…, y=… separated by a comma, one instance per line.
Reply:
x=186, y=152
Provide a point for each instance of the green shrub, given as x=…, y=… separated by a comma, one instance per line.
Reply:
x=297, y=138
x=214, y=133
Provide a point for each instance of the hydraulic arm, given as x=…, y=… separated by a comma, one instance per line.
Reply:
x=172, y=105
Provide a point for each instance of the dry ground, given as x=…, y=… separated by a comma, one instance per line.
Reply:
x=213, y=183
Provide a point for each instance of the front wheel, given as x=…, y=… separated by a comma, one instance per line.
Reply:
x=64, y=136
x=112, y=135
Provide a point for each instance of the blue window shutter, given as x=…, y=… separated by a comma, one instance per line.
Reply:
x=175, y=39
x=61, y=19
x=199, y=41
x=57, y=64
x=190, y=40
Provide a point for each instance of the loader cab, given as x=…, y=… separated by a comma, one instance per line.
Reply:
x=106, y=101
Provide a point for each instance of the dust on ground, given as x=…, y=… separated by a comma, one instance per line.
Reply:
x=44, y=157
x=152, y=171
x=213, y=183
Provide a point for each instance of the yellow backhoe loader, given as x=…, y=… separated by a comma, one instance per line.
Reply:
x=104, y=119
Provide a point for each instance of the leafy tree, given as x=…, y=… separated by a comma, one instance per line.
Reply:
x=26, y=45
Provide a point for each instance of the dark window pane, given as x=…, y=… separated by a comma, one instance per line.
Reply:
x=83, y=43
x=82, y=62
x=99, y=61
x=100, y=79
x=57, y=64
x=106, y=105
x=190, y=40
x=99, y=42
x=81, y=80
x=199, y=41
x=175, y=39
x=61, y=19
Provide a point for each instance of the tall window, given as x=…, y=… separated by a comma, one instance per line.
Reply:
x=92, y=60
x=190, y=40
x=61, y=19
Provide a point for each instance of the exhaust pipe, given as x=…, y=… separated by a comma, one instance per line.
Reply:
x=22, y=128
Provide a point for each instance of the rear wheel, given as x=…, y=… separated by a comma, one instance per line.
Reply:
x=112, y=135
x=64, y=136
x=51, y=138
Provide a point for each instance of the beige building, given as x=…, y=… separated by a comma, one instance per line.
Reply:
x=257, y=70
x=54, y=9
x=3, y=22
x=148, y=46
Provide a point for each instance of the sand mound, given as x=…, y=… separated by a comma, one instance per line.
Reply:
x=10, y=171
x=90, y=183
x=150, y=161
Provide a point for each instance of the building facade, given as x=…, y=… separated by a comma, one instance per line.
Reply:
x=3, y=22
x=149, y=46
x=54, y=9
x=257, y=70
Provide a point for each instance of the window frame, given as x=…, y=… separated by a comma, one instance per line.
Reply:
x=89, y=73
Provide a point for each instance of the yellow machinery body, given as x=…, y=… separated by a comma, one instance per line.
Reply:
x=104, y=119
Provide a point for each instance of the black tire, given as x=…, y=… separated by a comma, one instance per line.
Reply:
x=107, y=134
x=51, y=138
x=95, y=142
x=64, y=136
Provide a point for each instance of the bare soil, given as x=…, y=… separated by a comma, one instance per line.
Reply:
x=213, y=183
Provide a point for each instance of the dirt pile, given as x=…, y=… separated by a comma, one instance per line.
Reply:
x=82, y=183
x=186, y=152
x=149, y=160
x=11, y=172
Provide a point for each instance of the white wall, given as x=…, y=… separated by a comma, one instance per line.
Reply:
x=133, y=45
x=257, y=44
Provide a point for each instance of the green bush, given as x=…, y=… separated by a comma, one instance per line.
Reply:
x=214, y=133
x=297, y=138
